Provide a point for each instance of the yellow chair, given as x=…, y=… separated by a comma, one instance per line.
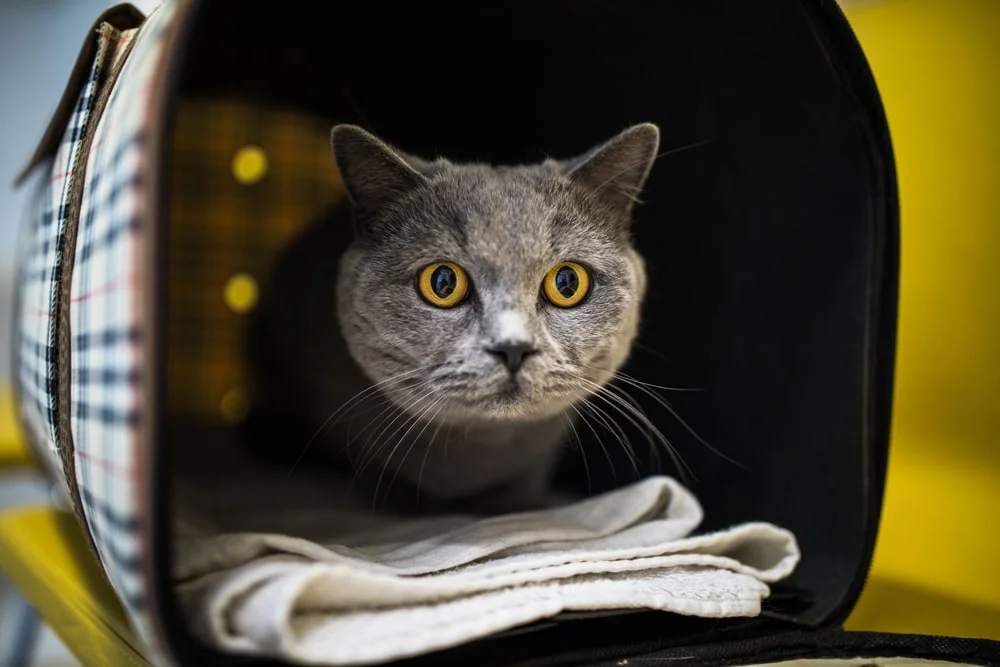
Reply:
x=44, y=555
x=935, y=565
x=12, y=453
x=19, y=621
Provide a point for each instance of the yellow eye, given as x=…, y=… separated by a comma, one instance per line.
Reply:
x=566, y=284
x=443, y=284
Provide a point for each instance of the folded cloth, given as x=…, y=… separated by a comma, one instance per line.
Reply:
x=411, y=587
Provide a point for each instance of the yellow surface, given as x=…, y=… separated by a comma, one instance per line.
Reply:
x=12, y=451
x=937, y=63
x=44, y=554
x=890, y=607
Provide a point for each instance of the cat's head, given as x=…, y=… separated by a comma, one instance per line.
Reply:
x=474, y=292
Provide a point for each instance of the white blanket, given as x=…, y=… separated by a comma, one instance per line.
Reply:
x=408, y=588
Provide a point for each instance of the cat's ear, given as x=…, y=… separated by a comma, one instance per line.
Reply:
x=374, y=173
x=616, y=170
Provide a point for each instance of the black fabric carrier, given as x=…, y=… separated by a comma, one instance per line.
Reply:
x=771, y=236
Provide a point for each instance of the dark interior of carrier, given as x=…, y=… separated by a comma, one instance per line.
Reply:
x=769, y=234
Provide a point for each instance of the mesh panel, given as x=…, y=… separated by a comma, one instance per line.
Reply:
x=245, y=181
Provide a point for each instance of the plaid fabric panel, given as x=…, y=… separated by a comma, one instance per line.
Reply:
x=107, y=326
x=38, y=266
x=246, y=180
x=41, y=270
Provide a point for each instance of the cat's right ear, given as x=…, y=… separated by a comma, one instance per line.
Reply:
x=373, y=172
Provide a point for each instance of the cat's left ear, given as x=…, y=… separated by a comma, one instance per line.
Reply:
x=374, y=173
x=616, y=170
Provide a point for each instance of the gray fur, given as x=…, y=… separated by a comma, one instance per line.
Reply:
x=476, y=427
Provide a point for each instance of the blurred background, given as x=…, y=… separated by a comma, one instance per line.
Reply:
x=937, y=63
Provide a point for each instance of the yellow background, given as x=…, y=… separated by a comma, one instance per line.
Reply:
x=937, y=64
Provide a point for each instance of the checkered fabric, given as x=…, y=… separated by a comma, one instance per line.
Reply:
x=108, y=326
x=221, y=227
x=105, y=316
x=41, y=270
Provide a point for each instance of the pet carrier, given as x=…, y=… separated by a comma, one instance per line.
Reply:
x=192, y=145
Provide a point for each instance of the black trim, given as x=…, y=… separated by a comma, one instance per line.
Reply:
x=834, y=33
x=165, y=611
x=826, y=644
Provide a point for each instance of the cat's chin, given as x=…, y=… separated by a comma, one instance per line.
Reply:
x=509, y=406
x=503, y=411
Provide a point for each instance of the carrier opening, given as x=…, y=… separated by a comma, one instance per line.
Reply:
x=761, y=241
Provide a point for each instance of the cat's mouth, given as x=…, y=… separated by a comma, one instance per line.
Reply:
x=514, y=398
x=510, y=391
x=512, y=387
x=504, y=398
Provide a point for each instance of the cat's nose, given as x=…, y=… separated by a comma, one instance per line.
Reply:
x=512, y=354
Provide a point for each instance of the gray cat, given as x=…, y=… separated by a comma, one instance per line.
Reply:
x=444, y=329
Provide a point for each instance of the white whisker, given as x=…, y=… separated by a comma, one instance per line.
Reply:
x=635, y=416
x=583, y=453
x=608, y=422
x=406, y=410
x=360, y=396
x=416, y=419
x=647, y=388
x=427, y=449
x=627, y=401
